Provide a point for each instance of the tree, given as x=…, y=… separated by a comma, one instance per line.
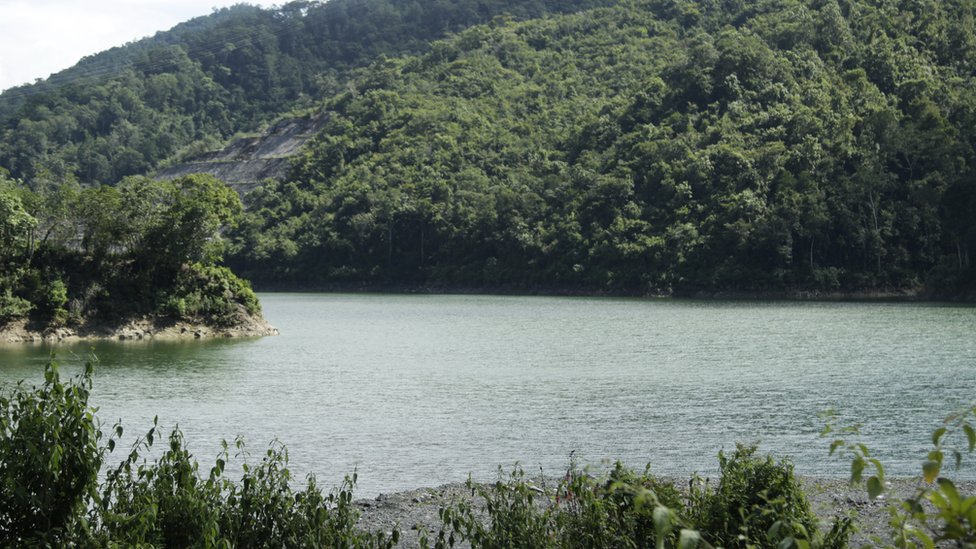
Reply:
x=177, y=223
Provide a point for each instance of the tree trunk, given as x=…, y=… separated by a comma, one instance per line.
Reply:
x=812, y=240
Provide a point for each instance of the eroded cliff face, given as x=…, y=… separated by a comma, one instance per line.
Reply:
x=246, y=162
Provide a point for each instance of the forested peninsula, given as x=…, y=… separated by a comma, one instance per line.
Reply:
x=648, y=147
x=131, y=261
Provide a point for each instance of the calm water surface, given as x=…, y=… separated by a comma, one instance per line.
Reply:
x=420, y=390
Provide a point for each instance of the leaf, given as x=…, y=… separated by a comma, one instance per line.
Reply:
x=949, y=489
x=921, y=536
x=662, y=524
x=857, y=467
x=55, y=463
x=875, y=487
x=971, y=435
x=937, y=435
x=689, y=539
x=930, y=470
x=834, y=445
x=879, y=468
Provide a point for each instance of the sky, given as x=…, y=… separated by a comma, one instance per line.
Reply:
x=41, y=37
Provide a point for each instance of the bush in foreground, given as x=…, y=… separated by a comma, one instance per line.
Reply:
x=52, y=449
x=756, y=503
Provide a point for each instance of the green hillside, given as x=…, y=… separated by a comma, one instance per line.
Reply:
x=655, y=146
x=124, y=111
x=651, y=146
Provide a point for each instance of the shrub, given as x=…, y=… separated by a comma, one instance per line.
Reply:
x=51, y=452
x=937, y=513
x=211, y=294
x=515, y=518
x=167, y=503
x=49, y=460
x=12, y=307
x=620, y=509
x=55, y=299
x=757, y=502
x=163, y=504
x=624, y=509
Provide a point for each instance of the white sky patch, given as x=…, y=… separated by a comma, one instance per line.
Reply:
x=41, y=37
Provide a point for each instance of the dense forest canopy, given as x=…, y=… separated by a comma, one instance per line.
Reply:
x=124, y=111
x=662, y=145
x=103, y=255
x=637, y=146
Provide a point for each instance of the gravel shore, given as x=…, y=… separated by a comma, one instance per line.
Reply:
x=414, y=510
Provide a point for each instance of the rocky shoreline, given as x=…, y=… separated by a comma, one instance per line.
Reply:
x=143, y=328
x=416, y=510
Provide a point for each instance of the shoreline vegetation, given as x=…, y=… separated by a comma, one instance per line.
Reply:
x=63, y=484
x=138, y=260
x=808, y=294
x=418, y=509
x=795, y=295
x=617, y=146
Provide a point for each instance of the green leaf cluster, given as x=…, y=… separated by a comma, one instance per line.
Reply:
x=50, y=455
x=936, y=514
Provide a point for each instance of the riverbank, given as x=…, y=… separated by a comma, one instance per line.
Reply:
x=418, y=510
x=796, y=294
x=245, y=325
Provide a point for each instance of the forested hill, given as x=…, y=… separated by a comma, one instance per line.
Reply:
x=129, y=109
x=645, y=146
x=655, y=146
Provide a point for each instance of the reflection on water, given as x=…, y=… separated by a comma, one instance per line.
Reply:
x=419, y=390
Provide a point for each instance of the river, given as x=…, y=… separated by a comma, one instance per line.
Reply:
x=418, y=390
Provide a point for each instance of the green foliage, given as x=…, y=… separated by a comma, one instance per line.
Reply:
x=210, y=294
x=141, y=248
x=50, y=455
x=168, y=503
x=758, y=503
x=51, y=452
x=53, y=302
x=15, y=223
x=162, y=504
x=12, y=307
x=644, y=147
x=936, y=514
x=16, y=242
x=130, y=109
x=641, y=147
x=177, y=222
x=515, y=519
x=623, y=509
